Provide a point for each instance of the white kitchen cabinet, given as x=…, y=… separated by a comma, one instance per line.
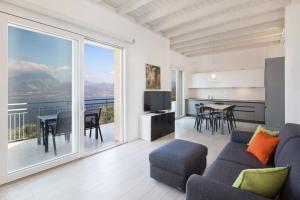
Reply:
x=229, y=79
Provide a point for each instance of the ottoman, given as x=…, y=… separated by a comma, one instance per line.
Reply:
x=174, y=162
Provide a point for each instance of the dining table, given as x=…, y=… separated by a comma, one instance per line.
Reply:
x=220, y=108
x=46, y=120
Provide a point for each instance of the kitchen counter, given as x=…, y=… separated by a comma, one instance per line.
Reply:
x=228, y=100
x=245, y=110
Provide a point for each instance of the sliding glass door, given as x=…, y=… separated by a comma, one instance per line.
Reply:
x=102, y=95
x=62, y=96
x=40, y=97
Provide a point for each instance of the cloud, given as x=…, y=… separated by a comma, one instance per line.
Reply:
x=25, y=66
x=62, y=73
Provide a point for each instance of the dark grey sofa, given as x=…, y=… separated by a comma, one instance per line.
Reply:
x=216, y=183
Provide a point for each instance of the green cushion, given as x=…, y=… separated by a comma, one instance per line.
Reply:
x=265, y=182
x=261, y=128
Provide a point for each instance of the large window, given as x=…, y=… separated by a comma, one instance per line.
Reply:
x=40, y=103
x=102, y=95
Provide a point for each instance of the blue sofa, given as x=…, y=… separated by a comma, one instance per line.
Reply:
x=216, y=182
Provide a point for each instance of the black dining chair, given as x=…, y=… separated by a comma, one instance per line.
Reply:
x=229, y=118
x=198, y=115
x=210, y=118
x=63, y=126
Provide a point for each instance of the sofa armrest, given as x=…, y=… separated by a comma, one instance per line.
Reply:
x=241, y=136
x=201, y=188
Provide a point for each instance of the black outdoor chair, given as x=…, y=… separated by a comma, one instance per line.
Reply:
x=93, y=121
x=63, y=126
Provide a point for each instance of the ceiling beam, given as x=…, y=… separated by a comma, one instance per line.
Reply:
x=269, y=19
x=256, y=8
x=206, y=9
x=132, y=5
x=230, y=46
x=237, y=48
x=166, y=10
x=258, y=30
x=236, y=41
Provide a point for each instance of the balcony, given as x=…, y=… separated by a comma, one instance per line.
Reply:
x=24, y=129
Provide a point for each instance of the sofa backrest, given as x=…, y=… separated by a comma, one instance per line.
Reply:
x=288, y=154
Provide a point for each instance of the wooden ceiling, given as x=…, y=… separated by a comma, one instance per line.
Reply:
x=198, y=27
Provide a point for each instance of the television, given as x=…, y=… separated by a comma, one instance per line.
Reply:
x=155, y=101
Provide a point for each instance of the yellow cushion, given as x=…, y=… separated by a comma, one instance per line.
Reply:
x=263, y=129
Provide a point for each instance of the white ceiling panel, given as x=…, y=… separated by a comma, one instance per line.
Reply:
x=197, y=27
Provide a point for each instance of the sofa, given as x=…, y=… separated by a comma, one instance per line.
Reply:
x=216, y=182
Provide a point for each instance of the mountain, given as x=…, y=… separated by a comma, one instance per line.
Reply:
x=92, y=89
x=34, y=81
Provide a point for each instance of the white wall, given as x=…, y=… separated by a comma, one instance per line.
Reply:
x=148, y=48
x=292, y=64
x=244, y=59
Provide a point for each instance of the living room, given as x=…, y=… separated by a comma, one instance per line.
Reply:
x=220, y=52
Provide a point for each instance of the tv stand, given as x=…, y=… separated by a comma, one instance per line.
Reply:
x=156, y=125
x=159, y=112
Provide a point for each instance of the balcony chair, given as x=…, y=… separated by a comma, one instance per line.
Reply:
x=91, y=122
x=63, y=126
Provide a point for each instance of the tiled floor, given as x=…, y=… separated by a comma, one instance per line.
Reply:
x=26, y=153
x=119, y=173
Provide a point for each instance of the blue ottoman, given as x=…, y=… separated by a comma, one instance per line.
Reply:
x=174, y=162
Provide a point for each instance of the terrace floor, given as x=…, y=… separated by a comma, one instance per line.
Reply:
x=26, y=153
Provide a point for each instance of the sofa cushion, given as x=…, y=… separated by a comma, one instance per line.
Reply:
x=224, y=171
x=236, y=152
x=265, y=130
x=265, y=182
x=263, y=146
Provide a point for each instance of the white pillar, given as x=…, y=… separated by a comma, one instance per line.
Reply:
x=292, y=64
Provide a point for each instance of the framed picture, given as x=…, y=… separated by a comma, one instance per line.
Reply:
x=152, y=77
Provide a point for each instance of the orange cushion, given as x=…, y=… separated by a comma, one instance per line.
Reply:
x=263, y=146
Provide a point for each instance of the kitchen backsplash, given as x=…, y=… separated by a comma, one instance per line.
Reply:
x=229, y=93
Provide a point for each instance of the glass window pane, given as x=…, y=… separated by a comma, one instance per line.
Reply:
x=102, y=66
x=39, y=97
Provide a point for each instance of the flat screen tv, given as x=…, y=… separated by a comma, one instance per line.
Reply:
x=155, y=101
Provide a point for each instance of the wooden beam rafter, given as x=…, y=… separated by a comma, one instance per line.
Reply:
x=229, y=35
x=164, y=11
x=236, y=41
x=255, y=9
x=266, y=20
x=131, y=6
x=207, y=9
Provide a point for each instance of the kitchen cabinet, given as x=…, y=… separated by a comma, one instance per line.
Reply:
x=229, y=79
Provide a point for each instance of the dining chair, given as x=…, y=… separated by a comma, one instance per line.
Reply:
x=63, y=126
x=210, y=118
x=198, y=115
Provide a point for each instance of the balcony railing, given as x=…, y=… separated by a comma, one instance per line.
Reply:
x=22, y=117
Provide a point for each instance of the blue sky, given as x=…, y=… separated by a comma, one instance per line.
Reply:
x=38, y=48
x=98, y=63
x=51, y=51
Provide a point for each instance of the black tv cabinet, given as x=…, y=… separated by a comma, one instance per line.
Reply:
x=157, y=125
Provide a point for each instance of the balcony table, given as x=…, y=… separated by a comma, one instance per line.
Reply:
x=46, y=120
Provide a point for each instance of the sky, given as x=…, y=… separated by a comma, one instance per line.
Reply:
x=54, y=52
x=98, y=64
